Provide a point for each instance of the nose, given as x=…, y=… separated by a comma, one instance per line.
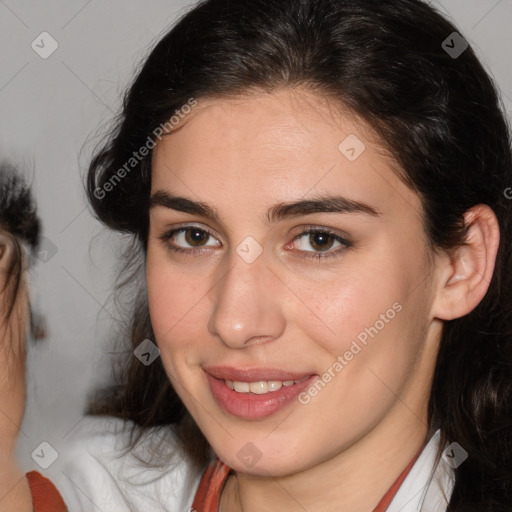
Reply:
x=246, y=305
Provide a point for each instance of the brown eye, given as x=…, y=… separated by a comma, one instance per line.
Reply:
x=321, y=241
x=196, y=237
x=188, y=239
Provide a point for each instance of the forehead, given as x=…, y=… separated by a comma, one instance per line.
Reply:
x=281, y=145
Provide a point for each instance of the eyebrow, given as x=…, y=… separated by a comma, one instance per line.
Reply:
x=317, y=204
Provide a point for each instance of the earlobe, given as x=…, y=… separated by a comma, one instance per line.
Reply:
x=466, y=274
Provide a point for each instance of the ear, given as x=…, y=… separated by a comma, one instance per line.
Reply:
x=466, y=273
x=7, y=249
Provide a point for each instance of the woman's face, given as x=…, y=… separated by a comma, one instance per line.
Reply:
x=327, y=337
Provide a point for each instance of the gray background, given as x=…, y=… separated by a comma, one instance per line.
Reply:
x=53, y=111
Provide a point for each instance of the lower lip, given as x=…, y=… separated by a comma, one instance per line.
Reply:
x=251, y=406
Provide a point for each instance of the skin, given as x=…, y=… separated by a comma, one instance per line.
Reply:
x=242, y=155
x=345, y=448
x=14, y=488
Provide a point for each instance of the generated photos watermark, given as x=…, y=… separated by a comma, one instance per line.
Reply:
x=356, y=347
x=145, y=149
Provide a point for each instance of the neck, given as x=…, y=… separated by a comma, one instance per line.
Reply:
x=355, y=479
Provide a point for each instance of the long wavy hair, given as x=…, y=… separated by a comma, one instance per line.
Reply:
x=439, y=115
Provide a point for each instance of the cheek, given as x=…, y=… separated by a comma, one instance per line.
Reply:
x=175, y=296
x=175, y=308
x=367, y=319
x=345, y=305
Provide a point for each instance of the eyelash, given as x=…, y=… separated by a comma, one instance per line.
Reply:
x=308, y=231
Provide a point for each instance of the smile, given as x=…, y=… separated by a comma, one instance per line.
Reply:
x=255, y=394
x=260, y=387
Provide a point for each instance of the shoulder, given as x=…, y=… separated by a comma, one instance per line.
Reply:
x=101, y=471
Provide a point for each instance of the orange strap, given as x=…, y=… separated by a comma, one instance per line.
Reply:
x=208, y=493
x=45, y=496
x=388, y=497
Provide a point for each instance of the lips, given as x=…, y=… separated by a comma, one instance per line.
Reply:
x=245, y=393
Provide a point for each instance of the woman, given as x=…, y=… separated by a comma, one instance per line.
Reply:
x=314, y=189
x=19, y=241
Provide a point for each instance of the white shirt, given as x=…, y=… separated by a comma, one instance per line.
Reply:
x=427, y=487
x=98, y=476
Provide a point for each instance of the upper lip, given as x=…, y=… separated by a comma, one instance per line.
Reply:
x=253, y=374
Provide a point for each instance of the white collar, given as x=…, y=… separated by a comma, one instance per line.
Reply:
x=427, y=487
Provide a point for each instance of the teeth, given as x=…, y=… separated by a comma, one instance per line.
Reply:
x=274, y=385
x=260, y=387
x=241, y=387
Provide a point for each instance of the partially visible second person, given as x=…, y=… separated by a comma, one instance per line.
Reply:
x=19, y=240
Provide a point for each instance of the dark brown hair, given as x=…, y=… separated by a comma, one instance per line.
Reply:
x=19, y=220
x=440, y=117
